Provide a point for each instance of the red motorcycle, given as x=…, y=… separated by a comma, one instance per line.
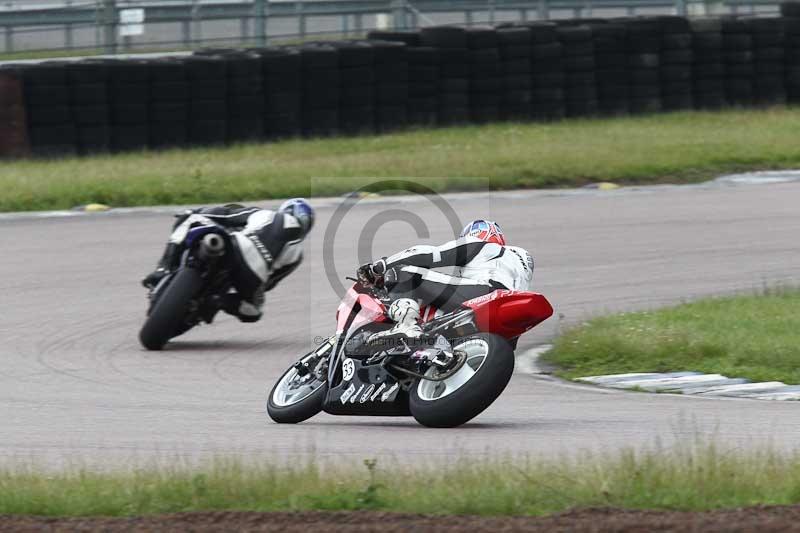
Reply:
x=350, y=375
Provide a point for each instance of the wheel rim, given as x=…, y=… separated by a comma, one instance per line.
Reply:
x=288, y=393
x=477, y=351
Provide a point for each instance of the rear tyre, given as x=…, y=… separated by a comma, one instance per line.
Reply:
x=167, y=318
x=468, y=392
x=291, y=402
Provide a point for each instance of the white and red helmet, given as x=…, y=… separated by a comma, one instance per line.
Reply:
x=485, y=230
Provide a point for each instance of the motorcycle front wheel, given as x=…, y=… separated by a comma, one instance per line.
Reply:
x=296, y=398
x=167, y=317
x=470, y=390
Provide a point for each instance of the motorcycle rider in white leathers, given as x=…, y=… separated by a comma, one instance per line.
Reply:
x=483, y=261
x=267, y=247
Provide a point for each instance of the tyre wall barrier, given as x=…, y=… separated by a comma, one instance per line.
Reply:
x=435, y=76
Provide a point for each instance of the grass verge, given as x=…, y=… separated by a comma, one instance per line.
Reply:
x=678, y=147
x=755, y=337
x=692, y=476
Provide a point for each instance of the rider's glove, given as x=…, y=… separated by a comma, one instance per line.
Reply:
x=371, y=272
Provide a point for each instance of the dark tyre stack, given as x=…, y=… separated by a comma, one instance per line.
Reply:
x=423, y=86
x=169, y=103
x=768, y=58
x=47, y=99
x=245, y=97
x=356, y=87
x=88, y=84
x=580, y=84
x=737, y=45
x=676, y=64
x=791, y=49
x=612, y=68
x=708, y=70
x=13, y=126
x=644, y=64
x=454, y=73
x=485, y=74
x=129, y=100
x=208, y=99
x=320, y=90
x=547, y=73
x=515, y=57
x=391, y=85
x=283, y=92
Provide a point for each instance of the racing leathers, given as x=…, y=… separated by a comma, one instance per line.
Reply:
x=267, y=246
x=480, y=268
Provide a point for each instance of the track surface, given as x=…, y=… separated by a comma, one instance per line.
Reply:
x=76, y=386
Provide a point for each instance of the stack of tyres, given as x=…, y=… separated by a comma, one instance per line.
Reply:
x=737, y=43
x=88, y=87
x=320, y=90
x=612, y=68
x=454, y=72
x=791, y=49
x=515, y=57
x=283, y=92
x=485, y=74
x=580, y=84
x=169, y=103
x=49, y=112
x=208, y=99
x=423, y=85
x=676, y=64
x=547, y=72
x=13, y=124
x=356, y=87
x=644, y=62
x=708, y=70
x=245, y=97
x=129, y=100
x=408, y=37
x=391, y=85
x=768, y=57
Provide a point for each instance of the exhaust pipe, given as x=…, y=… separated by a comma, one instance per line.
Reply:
x=212, y=245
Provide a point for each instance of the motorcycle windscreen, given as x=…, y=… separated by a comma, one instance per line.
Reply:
x=509, y=313
x=358, y=309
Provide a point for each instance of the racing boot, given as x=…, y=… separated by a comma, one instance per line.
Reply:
x=165, y=265
x=405, y=312
x=235, y=305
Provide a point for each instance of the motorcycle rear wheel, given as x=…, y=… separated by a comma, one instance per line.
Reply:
x=469, y=391
x=167, y=318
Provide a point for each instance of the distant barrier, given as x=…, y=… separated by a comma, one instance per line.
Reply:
x=446, y=75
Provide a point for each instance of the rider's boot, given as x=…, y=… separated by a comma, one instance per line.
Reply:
x=235, y=305
x=165, y=265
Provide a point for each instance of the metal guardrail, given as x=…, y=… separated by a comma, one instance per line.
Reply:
x=104, y=15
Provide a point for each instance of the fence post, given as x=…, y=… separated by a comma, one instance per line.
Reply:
x=110, y=26
x=68, y=40
x=301, y=18
x=491, y=12
x=261, y=22
x=9, y=39
x=680, y=8
x=398, y=14
x=541, y=10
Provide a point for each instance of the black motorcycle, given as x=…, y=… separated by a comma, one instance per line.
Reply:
x=191, y=293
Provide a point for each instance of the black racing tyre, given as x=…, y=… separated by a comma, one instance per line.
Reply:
x=167, y=316
x=488, y=369
x=285, y=411
x=411, y=38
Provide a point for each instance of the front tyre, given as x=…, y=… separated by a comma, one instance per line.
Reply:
x=296, y=398
x=470, y=390
x=167, y=318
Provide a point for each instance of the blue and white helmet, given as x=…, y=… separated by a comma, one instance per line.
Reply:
x=300, y=209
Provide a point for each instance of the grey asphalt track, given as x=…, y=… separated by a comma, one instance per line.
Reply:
x=76, y=387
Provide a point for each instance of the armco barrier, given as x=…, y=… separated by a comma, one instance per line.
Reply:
x=524, y=71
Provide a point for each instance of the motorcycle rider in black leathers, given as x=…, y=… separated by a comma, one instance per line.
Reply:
x=483, y=264
x=267, y=247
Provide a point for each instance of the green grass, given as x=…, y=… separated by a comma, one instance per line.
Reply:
x=692, y=476
x=679, y=148
x=755, y=337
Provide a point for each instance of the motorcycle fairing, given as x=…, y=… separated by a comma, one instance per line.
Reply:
x=371, y=391
x=364, y=307
x=509, y=313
